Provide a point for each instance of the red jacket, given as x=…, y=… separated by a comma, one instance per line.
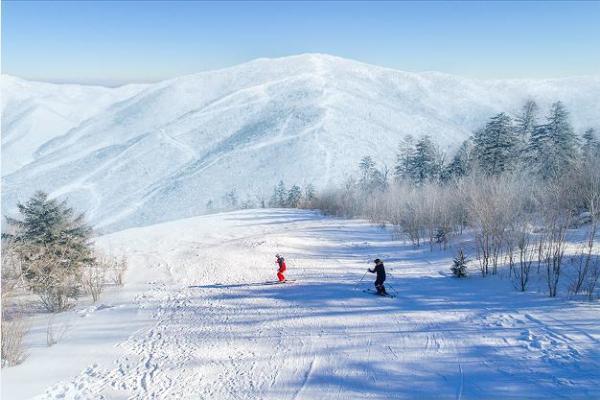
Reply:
x=281, y=263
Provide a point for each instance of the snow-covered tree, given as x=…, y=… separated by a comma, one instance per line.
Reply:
x=406, y=152
x=552, y=147
x=459, y=264
x=427, y=162
x=53, y=245
x=462, y=162
x=294, y=196
x=231, y=199
x=371, y=178
x=367, y=168
x=495, y=145
x=525, y=123
x=309, y=192
x=590, y=146
x=279, y=197
x=563, y=135
x=379, y=179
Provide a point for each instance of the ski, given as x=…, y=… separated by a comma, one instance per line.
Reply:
x=223, y=285
x=377, y=294
x=280, y=283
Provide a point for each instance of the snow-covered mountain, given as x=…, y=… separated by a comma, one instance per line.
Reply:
x=141, y=154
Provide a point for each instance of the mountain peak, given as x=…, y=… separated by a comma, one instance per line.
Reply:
x=142, y=155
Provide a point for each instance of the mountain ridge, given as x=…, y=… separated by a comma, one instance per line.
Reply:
x=297, y=56
x=140, y=154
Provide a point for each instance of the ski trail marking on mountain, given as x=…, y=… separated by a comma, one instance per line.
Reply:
x=188, y=150
x=461, y=382
x=306, y=378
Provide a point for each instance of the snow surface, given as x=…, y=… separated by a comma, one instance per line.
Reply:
x=195, y=320
x=142, y=154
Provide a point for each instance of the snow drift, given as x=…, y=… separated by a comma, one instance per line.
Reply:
x=141, y=154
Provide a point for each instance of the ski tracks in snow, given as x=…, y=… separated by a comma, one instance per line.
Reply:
x=153, y=362
x=323, y=338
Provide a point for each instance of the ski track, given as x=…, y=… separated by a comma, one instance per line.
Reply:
x=322, y=338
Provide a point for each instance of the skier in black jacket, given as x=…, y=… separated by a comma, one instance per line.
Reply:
x=380, y=271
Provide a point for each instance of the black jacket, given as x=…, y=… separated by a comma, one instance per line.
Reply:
x=380, y=271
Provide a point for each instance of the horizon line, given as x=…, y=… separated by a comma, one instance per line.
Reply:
x=112, y=83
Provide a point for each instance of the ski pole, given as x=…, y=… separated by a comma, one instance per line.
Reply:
x=363, y=277
x=394, y=290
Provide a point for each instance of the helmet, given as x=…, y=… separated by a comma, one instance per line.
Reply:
x=377, y=261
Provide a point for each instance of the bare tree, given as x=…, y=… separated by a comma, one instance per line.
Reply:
x=93, y=278
x=14, y=328
x=557, y=217
x=593, y=277
x=587, y=178
x=119, y=267
x=13, y=333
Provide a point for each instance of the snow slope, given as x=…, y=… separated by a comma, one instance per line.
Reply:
x=162, y=151
x=207, y=327
x=33, y=113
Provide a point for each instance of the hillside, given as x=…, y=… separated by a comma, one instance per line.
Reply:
x=197, y=319
x=142, y=154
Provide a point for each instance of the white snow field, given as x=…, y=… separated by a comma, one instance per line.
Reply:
x=143, y=154
x=197, y=321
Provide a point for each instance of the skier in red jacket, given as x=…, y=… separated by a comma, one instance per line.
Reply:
x=281, y=262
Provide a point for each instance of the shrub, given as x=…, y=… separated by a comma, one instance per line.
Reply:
x=459, y=265
x=13, y=332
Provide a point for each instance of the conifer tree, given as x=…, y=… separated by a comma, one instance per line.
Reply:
x=367, y=174
x=461, y=164
x=591, y=145
x=426, y=163
x=279, y=197
x=524, y=126
x=552, y=147
x=459, y=264
x=494, y=146
x=406, y=152
x=53, y=244
x=294, y=196
x=310, y=192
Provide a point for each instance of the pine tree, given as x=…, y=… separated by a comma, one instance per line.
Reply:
x=591, y=145
x=279, y=197
x=294, y=197
x=459, y=265
x=231, y=199
x=524, y=126
x=563, y=136
x=309, y=192
x=406, y=152
x=494, y=146
x=53, y=244
x=539, y=150
x=461, y=164
x=380, y=178
x=552, y=147
x=367, y=166
x=368, y=174
x=426, y=164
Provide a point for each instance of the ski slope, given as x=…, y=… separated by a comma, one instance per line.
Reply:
x=143, y=154
x=196, y=321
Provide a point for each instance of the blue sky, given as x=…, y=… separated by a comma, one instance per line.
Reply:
x=112, y=42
